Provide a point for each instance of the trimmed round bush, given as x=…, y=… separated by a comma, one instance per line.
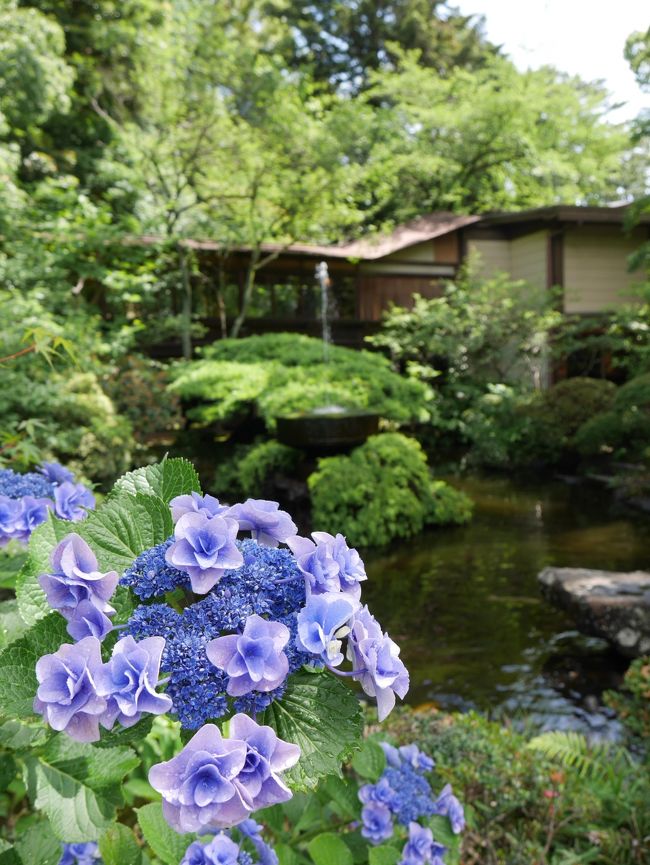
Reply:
x=382, y=490
x=624, y=431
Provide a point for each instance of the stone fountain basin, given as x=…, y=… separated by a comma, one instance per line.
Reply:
x=324, y=430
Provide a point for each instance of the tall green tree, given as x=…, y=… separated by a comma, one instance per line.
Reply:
x=343, y=42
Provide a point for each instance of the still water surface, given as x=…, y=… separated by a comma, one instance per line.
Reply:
x=465, y=607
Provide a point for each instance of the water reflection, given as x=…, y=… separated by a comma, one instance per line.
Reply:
x=465, y=606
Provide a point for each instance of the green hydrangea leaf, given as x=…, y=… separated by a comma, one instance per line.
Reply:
x=370, y=761
x=12, y=625
x=39, y=845
x=383, y=855
x=167, y=479
x=8, y=854
x=17, y=735
x=329, y=849
x=118, y=846
x=78, y=786
x=321, y=715
x=18, y=682
x=167, y=844
x=118, y=531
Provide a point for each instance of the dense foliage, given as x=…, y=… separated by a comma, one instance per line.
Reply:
x=554, y=798
x=383, y=490
x=280, y=374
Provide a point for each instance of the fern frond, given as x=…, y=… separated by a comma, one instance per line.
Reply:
x=574, y=751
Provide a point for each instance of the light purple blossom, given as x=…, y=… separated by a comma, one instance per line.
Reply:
x=447, y=805
x=33, y=512
x=419, y=847
x=259, y=783
x=9, y=512
x=328, y=565
x=381, y=672
x=56, y=474
x=73, y=501
x=222, y=850
x=417, y=759
x=254, y=660
x=266, y=854
x=198, y=783
x=88, y=621
x=128, y=682
x=392, y=754
x=321, y=625
x=75, y=578
x=265, y=521
x=204, y=547
x=195, y=503
x=377, y=822
x=379, y=792
x=80, y=854
x=67, y=694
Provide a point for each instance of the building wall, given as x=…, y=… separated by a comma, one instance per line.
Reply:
x=528, y=258
x=595, y=267
x=377, y=293
x=491, y=256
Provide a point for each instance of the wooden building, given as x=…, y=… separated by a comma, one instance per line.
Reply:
x=582, y=250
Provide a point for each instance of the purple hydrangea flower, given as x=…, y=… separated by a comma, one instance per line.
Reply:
x=259, y=783
x=381, y=672
x=392, y=755
x=195, y=503
x=80, y=854
x=321, y=625
x=204, y=547
x=447, y=805
x=73, y=501
x=329, y=565
x=266, y=854
x=9, y=513
x=265, y=521
x=418, y=759
x=377, y=822
x=129, y=679
x=56, y=474
x=198, y=783
x=88, y=621
x=75, y=578
x=67, y=695
x=222, y=850
x=379, y=792
x=254, y=660
x=419, y=847
x=33, y=512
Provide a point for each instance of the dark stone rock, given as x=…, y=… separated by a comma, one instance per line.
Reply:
x=612, y=605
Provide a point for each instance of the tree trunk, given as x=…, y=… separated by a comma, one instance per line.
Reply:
x=186, y=315
x=247, y=294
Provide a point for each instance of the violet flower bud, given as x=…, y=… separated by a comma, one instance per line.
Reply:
x=204, y=547
x=254, y=660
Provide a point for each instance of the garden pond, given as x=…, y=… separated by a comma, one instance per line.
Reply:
x=465, y=606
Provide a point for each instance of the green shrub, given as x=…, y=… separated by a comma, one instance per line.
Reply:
x=261, y=462
x=498, y=428
x=632, y=703
x=285, y=373
x=623, y=431
x=555, y=799
x=447, y=505
x=382, y=490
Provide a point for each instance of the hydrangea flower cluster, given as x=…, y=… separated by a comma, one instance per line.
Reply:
x=26, y=499
x=81, y=854
x=403, y=794
x=262, y=612
x=226, y=849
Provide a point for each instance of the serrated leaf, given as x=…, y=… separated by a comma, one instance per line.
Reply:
x=342, y=794
x=370, y=761
x=8, y=854
x=442, y=831
x=120, y=736
x=119, y=530
x=383, y=855
x=12, y=625
x=165, y=843
x=117, y=846
x=16, y=735
x=39, y=845
x=167, y=479
x=77, y=786
x=18, y=664
x=286, y=855
x=10, y=565
x=329, y=849
x=321, y=715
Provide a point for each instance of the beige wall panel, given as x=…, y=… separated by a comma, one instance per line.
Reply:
x=492, y=256
x=418, y=252
x=528, y=258
x=595, y=267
